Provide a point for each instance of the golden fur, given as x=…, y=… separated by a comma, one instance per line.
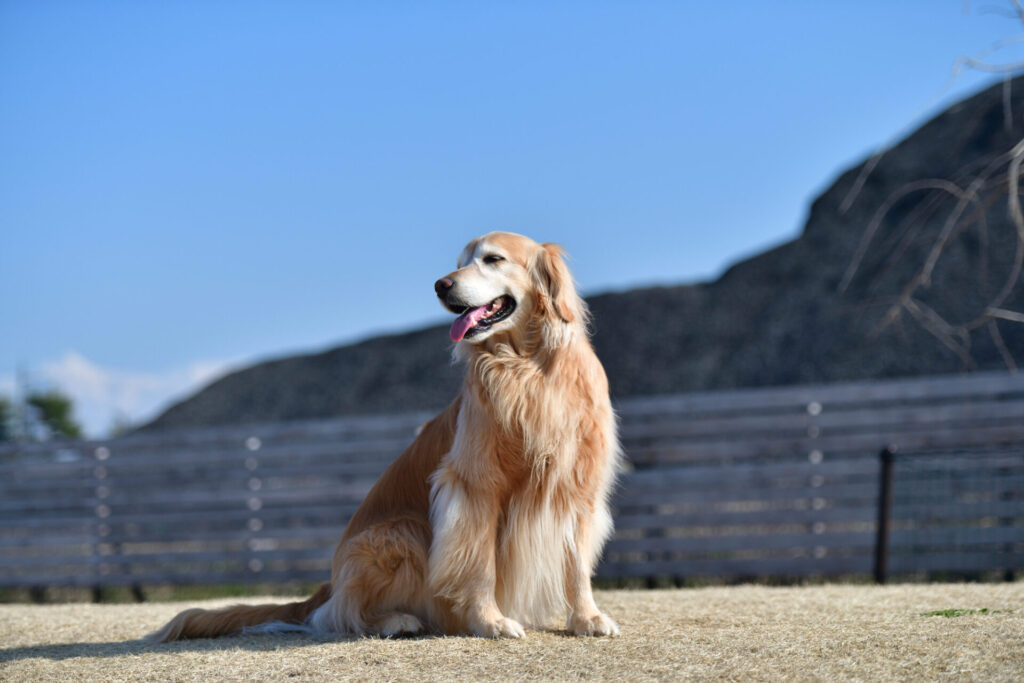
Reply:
x=496, y=514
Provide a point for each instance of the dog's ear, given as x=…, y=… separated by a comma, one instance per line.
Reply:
x=554, y=280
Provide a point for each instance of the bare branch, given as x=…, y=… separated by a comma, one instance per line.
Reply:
x=862, y=177
x=992, y=68
x=952, y=337
x=972, y=61
x=924, y=278
x=975, y=185
x=992, y=9
x=1017, y=216
x=956, y=71
x=1020, y=10
x=910, y=227
x=1017, y=153
x=883, y=210
x=1005, y=314
x=1007, y=104
x=997, y=339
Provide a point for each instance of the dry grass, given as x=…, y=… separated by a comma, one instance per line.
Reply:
x=748, y=632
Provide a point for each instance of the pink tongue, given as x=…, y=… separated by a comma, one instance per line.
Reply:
x=465, y=322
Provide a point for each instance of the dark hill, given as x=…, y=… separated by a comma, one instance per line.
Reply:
x=778, y=318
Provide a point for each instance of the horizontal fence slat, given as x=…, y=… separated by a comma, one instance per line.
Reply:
x=728, y=568
x=862, y=540
x=874, y=391
x=741, y=428
x=860, y=444
x=742, y=516
x=203, y=577
x=957, y=562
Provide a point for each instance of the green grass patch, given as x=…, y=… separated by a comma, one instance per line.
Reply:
x=949, y=613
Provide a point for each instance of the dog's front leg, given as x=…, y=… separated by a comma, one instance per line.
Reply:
x=464, y=516
x=585, y=619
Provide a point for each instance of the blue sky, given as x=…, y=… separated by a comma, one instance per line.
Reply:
x=191, y=186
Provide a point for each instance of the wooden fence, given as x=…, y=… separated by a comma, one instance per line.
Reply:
x=782, y=482
x=786, y=481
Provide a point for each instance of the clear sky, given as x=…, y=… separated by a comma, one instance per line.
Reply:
x=187, y=187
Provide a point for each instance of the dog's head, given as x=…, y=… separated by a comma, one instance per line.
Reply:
x=504, y=282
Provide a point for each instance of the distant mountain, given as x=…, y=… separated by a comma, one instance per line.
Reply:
x=782, y=317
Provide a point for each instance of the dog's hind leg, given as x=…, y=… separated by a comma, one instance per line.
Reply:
x=396, y=624
x=380, y=586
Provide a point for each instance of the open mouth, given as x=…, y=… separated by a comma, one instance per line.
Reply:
x=474, y=320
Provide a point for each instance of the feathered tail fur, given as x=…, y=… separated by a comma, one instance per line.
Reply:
x=206, y=623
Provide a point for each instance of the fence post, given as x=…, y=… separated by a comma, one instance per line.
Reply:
x=884, y=514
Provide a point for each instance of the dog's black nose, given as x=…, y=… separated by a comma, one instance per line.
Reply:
x=443, y=285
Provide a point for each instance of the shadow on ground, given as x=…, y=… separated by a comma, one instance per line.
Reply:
x=141, y=646
x=138, y=647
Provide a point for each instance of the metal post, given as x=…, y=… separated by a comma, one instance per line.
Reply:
x=884, y=514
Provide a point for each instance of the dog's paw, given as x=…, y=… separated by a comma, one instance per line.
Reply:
x=594, y=625
x=502, y=627
x=400, y=625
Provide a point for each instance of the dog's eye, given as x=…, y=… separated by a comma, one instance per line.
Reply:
x=493, y=258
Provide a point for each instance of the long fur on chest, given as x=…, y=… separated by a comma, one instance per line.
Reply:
x=545, y=435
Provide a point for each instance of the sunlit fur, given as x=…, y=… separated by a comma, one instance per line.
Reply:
x=495, y=515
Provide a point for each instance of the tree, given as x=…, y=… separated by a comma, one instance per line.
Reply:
x=6, y=417
x=54, y=410
x=120, y=425
x=962, y=207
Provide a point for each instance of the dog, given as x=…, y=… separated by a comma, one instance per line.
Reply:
x=495, y=515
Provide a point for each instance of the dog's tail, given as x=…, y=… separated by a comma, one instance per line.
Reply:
x=207, y=623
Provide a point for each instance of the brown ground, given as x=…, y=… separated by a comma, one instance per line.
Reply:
x=750, y=632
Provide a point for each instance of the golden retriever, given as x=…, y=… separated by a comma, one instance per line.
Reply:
x=495, y=515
